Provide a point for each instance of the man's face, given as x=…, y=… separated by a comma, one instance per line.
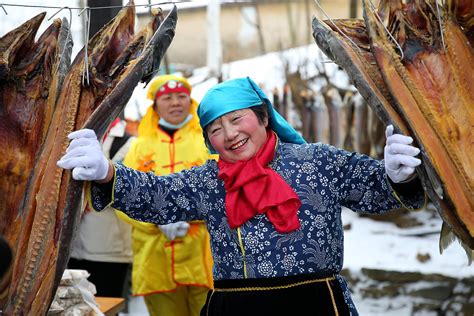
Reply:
x=173, y=107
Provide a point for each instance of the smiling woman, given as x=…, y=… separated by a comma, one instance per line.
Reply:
x=237, y=135
x=272, y=204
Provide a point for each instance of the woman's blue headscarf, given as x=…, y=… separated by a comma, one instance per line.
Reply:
x=242, y=93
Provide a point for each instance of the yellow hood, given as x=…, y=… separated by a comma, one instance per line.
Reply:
x=157, y=82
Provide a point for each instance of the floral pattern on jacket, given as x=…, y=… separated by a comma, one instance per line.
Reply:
x=324, y=177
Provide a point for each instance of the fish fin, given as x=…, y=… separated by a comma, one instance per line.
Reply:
x=446, y=237
x=469, y=252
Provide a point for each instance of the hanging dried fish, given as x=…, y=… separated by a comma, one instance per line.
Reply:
x=414, y=62
x=94, y=92
x=31, y=77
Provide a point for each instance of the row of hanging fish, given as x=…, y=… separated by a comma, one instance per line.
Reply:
x=413, y=62
x=43, y=97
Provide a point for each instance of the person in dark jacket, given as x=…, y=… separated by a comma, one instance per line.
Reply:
x=272, y=203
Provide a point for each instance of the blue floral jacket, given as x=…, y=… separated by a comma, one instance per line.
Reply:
x=324, y=177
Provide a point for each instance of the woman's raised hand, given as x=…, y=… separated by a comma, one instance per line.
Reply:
x=399, y=157
x=84, y=156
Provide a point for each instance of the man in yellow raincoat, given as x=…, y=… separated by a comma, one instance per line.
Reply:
x=172, y=266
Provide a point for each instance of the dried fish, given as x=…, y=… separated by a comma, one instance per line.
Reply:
x=31, y=78
x=414, y=62
x=117, y=60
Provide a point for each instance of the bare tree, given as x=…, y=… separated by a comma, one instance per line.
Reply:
x=214, y=44
x=291, y=24
x=309, y=30
x=258, y=25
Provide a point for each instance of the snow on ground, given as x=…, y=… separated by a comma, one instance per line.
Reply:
x=381, y=245
x=374, y=244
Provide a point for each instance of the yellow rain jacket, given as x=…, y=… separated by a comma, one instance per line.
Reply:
x=161, y=265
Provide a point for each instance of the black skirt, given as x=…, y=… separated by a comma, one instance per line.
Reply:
x=294, y=295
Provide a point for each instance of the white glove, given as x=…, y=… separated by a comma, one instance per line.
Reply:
x=84, y=155
x=399, y=155
x=173, y=230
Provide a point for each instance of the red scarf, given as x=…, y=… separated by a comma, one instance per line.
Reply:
x=254, y=188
